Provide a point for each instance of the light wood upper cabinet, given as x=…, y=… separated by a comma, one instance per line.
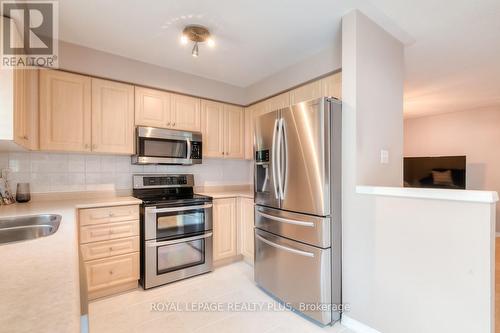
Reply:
x=152, y=107
x=158, y=108
x=65, y=111
x=277, y=102
x=332, y=85
x=212, y=119
x=306, y=92
x=26, y=108
x=234, y=119
x=185, y=113
x=112, y=117
x=246, y=230
x=224, y=228
x=223, y=129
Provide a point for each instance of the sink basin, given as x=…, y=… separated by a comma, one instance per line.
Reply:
x=15, y=229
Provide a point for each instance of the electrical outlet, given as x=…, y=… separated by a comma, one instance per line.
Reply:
x=384, y=156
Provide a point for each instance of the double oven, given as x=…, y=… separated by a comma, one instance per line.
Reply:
x=176, y=229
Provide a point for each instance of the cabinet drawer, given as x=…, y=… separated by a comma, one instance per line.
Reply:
x=101, y=232
x=109, y=272
x=110, y=248
x=108, y=214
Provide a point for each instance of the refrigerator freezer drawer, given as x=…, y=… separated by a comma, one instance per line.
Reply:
x=296, y=273
x=304, y=228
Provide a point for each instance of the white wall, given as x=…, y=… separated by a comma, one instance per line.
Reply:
x=372, y=81
x=474, y=133
x=93, y=62
x=50, y=172
x=323, y=62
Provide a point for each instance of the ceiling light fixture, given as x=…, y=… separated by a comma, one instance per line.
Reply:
x=197, y=34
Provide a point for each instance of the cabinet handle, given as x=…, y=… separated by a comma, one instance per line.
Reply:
x=110, y=272
x=222, y=153
x=87, y=146
x=25, y=137
x=94, y=146
x=168, y=124
x=173, y=124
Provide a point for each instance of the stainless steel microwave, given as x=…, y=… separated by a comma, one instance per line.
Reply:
x=164, y=146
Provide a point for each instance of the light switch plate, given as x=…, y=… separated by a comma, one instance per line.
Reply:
x=384, y=156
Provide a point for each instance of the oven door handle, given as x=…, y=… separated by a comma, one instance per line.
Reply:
x=178, y=209
x=180, y=240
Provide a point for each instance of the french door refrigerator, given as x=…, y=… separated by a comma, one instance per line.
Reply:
x=297, y=207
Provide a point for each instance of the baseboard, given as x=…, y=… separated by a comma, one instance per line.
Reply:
x=356, y=326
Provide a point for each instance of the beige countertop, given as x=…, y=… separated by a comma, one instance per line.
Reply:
x=39, y=278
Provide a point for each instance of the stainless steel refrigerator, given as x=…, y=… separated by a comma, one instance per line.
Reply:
x=297, y=207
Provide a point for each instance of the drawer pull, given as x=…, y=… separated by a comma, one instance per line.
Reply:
x=285, y=248
x=110, y=272
x=289, y=221
x=111, y=248
x=111, y=214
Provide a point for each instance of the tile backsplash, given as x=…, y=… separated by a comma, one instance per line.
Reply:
x=51, y=172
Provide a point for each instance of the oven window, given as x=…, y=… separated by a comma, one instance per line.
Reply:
x=179, y=223
x=163, y=148
x=181, y=255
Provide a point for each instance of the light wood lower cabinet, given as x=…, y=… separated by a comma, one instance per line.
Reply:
x=111, y=272
x=233, y=237
x=109, y=248
x=245, y=228
x=224, y=228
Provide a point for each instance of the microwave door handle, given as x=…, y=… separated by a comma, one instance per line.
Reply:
x=188, y=153
x=180, y=240
x=177, y=209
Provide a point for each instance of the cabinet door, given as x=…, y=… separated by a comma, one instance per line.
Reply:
x=224, y=218
x=306, y=92
x=112, y=117
x=250, y=114
x=234, y=124
x=277, y=102
x=64, y=111
x=26, y=108
x=212, y=120
x=246, y=228
x=152, y=107
x=185, y=113
x=332, y=85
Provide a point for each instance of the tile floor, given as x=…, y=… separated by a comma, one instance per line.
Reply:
x=232, y=284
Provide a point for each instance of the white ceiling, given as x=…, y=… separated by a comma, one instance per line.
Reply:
x=452, y=53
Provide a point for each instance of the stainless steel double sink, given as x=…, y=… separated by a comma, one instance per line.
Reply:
x=22, y=228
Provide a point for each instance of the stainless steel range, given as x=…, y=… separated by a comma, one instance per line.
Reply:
x=176, y=228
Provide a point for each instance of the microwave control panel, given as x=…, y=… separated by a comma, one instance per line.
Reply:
x=196, y=150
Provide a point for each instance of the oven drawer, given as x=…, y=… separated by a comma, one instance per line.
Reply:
x=308, y=229
x=93, y=216
x=294, y=272
x=98, y=250
x=110, y=272
x=101, y=232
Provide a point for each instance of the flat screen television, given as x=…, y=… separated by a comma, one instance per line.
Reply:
x=435, y=172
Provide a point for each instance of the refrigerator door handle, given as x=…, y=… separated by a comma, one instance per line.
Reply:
x=279, y=159
x=284, y=151
x=273, y=160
